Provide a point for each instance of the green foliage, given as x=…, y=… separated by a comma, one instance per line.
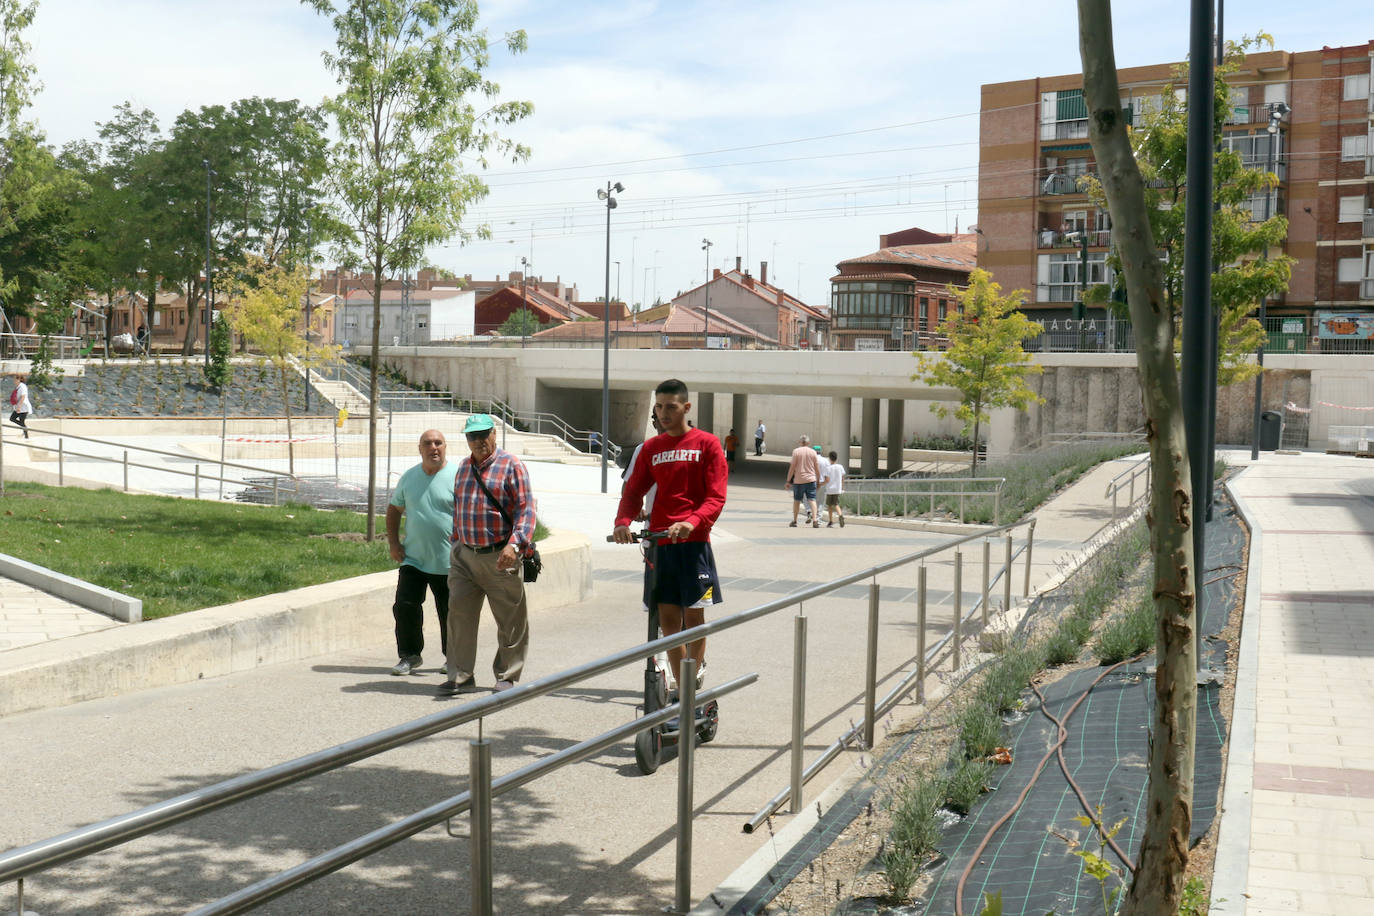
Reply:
x=1095, y=863
x=1195, y=898
x=220, y=370
x=980, y=728
x=992, y=904
x=915, y=832
x=180, y=554
x=968, y=781
x=1129, y=633
x=521, y=323
x=985, y=361
x=1244, y=274
x=941, y=443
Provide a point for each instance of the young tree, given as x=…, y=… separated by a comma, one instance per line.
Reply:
x=1158, y=883
x=985, y=362
x=1241, y=276
x=410, y=71
x=220, y=370
x=521, y=323
x=267, y=311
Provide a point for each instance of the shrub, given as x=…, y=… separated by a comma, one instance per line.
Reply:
x=968, y=781
x=1128, y=633
x=1062, y=646
x=915, y=832
x=980, y=728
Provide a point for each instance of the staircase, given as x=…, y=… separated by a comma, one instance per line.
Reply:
x=341, y=394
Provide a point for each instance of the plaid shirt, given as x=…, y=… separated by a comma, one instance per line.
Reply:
x=476, y=522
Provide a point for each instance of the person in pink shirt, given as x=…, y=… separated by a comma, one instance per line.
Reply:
x=802, y=473
x=687, y=465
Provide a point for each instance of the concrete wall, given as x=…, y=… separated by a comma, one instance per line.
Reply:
x=792, y=390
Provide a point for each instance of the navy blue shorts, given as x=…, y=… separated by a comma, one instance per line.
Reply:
x=686, y=575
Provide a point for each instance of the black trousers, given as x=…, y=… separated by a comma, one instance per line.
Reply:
x=409, y=609
x=758, y=446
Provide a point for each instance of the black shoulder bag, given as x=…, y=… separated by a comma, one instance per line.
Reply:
x=531, y=563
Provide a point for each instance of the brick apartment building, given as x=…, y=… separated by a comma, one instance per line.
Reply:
x=1033, y=218
x=896, y=297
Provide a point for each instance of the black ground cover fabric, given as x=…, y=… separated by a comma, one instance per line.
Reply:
x=1107, y=752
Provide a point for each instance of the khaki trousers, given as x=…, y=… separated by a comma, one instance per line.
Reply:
x=472, y=577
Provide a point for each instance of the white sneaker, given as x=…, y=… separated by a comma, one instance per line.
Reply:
x=701, y=675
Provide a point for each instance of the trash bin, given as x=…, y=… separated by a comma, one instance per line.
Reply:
x=1271, y=430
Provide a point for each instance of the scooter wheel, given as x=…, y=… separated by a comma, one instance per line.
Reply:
x=648, y=748
x=707, y=730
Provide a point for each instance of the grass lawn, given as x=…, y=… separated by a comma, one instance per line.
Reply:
x=182, y=554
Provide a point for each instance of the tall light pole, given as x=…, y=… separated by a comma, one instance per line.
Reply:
x=524, y=303
x=617, y=282
x=633, y=240
x=1275, y=117
x=706, y=325
x=209, y=287
x=608, y=195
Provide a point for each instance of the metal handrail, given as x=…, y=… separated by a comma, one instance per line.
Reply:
x=1115, y=485
x=17, y=864
x=340, y=856
x=931, y=488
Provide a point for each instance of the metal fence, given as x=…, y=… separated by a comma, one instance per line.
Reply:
x=922, y=496
x=23, y=863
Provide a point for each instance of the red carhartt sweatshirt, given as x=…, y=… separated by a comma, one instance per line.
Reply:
x=690, y=472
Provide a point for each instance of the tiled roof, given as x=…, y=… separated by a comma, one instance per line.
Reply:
x=961, y=254
x=589, y=330
x=684, y=319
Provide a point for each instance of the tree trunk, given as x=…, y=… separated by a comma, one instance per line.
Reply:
x=1158, y=883
x=286, y=403
x=188, y=343
x=372, y=390
x=973, y=468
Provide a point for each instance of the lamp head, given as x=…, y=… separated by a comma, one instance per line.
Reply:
x=601, y=195
x=619, y=187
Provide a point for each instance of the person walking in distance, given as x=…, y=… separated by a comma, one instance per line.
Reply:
x=759, y=432
x=731, y=446
x=424, y=496
x=801, y=477
x=20, y=407
x=493, y=525
x=687, y=466
x=834, y=486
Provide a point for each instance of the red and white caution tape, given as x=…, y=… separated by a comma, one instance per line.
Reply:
x=277, y=441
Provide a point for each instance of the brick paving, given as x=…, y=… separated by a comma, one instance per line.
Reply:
x=1311, y=808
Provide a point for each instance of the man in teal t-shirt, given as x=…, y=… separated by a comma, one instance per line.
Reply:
x=424, y=495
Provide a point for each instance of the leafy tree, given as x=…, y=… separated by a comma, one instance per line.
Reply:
x=410, y=71
x=985, y=362
x=1241, y=277
x=267, y=310
x=220, y=370
x=521, y=323
x=1158, y=882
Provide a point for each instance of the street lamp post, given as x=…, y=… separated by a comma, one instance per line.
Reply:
x=706, y=325
x=524, y=303
x=1275, y=116
x=608, y=195
x=209, y=287
x=617, y=282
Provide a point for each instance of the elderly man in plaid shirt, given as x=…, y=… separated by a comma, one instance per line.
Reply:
x=493, y=525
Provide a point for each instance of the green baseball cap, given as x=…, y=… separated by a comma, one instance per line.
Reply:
x=478, y=423
x=816, y=447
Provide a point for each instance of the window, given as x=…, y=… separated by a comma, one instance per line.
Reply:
x=1356, y=87
x=1275, y=93
x=1063, y=115
x=944, y=309
x=1059, y=275
x=181, y=316
x=1352, y=209
x=1348, y=270
x=1354, y=147
x=157, y=319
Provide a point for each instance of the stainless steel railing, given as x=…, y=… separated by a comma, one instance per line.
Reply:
x=907, y=492
x=63, y=453
x=24, y=862
x=1126, y=481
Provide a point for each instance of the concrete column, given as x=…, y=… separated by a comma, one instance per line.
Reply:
x=896, y=434
x=739, y=419
x=868, y=438
x=706, y=411
x=841, y=416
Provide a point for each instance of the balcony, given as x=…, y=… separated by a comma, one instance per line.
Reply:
x=1251, y=114
x=1057, y=184
x=1050, y=238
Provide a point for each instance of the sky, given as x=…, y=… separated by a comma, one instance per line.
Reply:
x=789, y=132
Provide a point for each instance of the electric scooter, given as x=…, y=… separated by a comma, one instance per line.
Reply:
x=650, y=743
